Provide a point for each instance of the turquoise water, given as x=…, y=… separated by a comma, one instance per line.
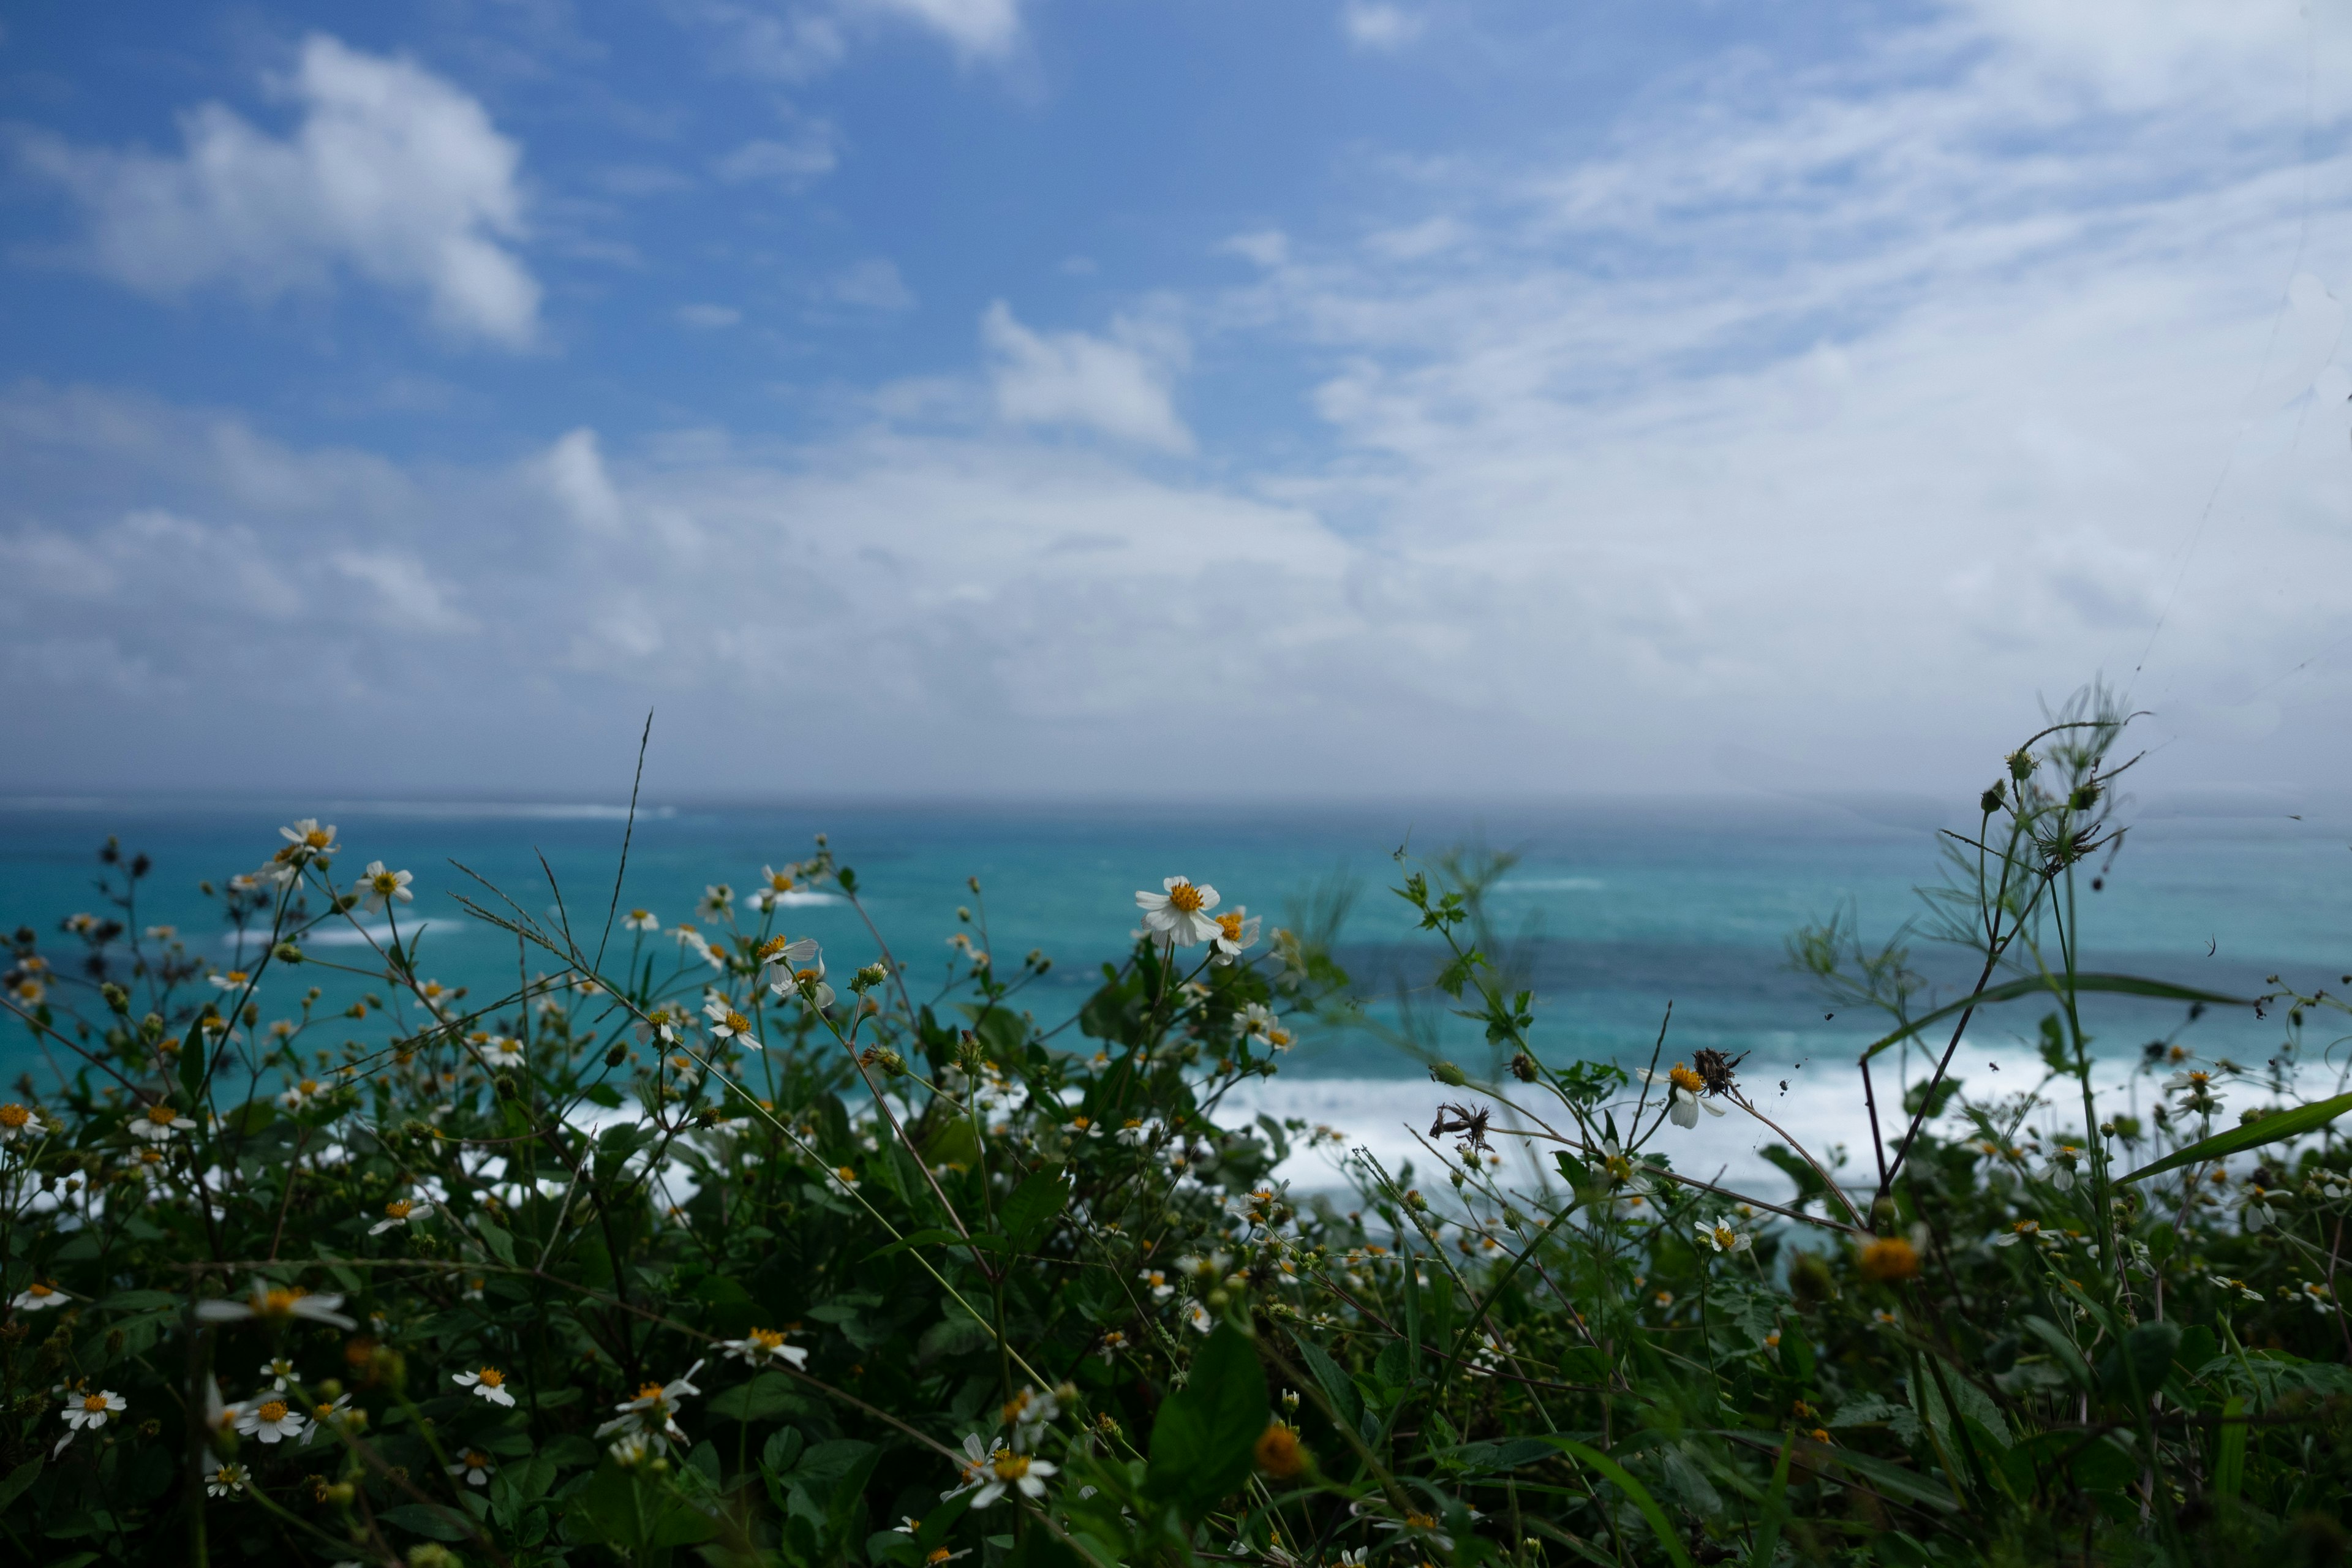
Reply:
x=1621, y=908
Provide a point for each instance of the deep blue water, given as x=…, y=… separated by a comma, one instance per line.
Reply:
x=1621, y=907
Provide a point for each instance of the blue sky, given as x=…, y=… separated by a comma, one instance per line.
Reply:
x=1191, y=398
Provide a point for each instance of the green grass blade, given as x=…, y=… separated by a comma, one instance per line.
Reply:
x=2253, y=1134
x=1640, y=1494
x=2010, y=990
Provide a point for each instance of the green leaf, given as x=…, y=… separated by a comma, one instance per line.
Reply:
x=496, y=1235
x=422, y=1519
x=767, y=1395
x=1635, y=1491
x=2229, y=1451
x=2253, y=1134
x=18, y=1479
x=1337, y=1386
x=918, y=1238
x=1201, y=1441
x=2009, y=991
x=1035, y=1204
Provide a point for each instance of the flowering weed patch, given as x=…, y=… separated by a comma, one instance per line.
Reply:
x=704, y=1244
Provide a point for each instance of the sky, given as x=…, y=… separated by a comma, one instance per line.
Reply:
x=1215, y=400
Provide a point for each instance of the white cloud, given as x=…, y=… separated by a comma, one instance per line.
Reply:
x=1378, y=25
x=808, y=156
x=1265, y=247
x=1119, y=385
x=975, y=28
x=574, y=472
x=708, y=318
x=392, y=175
x=875, y=284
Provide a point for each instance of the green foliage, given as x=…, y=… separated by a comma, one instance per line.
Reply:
x=677, y=1254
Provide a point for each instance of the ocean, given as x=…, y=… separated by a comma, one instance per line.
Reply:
x=1614, y=909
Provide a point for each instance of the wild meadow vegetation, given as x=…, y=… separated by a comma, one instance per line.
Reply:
x=701, y=1244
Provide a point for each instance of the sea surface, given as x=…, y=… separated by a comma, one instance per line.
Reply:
x=1613, y=910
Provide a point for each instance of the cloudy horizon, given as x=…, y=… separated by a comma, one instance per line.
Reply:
x=972, y=398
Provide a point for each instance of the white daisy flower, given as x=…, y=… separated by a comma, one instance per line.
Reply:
x=1009, y=1472
x=397, y=1215
x=308, y=838
x=158, y=1123
x=226, y=1481
x=652, y=1415
x=474, y=1466
x=272, y=1418
x=726, y=1024
x=764, y=1347
x=717, y=899
x=280, y=1370
x=1725, y=1237
x=39, y=1297
x=2022, y=1230
x=1156, y=1283
x=303, y=1095
x=1198, y=1316
x=643, y=920
x=15, y=1122
x=232, y=980
x=842, y=1179
x=1236, y=934
x=1180, y=913
x=806, y=984
x=379, y=887
x=88, y=1413
x=489, y=1384
x=972, y=1467
x=1683, y=1088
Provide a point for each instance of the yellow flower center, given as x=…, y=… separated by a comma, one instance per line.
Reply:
x=640, y=914
x=1684, y=1079
x=806, y=979
x=1231, y=924
x=322, y=1411
x=737, y=1023
x=846, y=1172
x=12, y=1116
x=318, y=838
x=1620, y=1168
x=477, y=1460
x=161, y=1115
x=493, y=1378
x=767, y=1339
x=1725, y=1235
x=94, y=1402
x=398, y=1208
x=1184, y=899
x=39, y=1292
x=1419, y=1521
x=307, y=1086
x=780, y=883
x=1011, y=1467
x=939, y=1555
x=272, y=1411
x=2026, y=1227
x=278, y=1303
x=385, y=883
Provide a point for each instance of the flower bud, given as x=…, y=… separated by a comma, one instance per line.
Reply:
x=1994, y=799
x=1447, y=1073
x=287, y=953
x=116, y=997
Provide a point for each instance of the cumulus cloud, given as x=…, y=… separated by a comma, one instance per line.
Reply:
x=392, y=175
x=1119, y=385
x=708, y=318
